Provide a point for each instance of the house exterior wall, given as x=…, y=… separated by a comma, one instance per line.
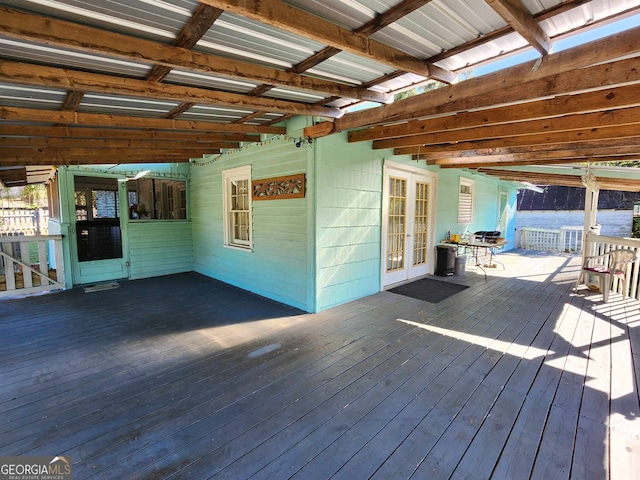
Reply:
x=349, y=183
x=159, y=248
x=152, y=248
x=279, y=264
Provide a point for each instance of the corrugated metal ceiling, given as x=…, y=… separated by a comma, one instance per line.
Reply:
x=436, y=27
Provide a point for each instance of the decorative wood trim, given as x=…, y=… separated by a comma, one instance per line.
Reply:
x=278, y=188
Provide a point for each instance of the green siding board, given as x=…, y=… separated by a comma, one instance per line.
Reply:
x=278, y=265
x=349, y=198
x=159, y=248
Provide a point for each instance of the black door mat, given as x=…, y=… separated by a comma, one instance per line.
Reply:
x=429, y=290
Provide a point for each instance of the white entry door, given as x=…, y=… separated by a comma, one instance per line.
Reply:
x=408, y=219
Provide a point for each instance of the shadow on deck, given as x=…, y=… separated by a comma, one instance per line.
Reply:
x=186, y=377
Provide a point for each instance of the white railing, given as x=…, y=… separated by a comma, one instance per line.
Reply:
x=565, y=239
x=30, y=264
x=600, y=245
x=23, y=222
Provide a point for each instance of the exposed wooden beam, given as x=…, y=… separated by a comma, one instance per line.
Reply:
x=390, y=16
x=585, y=135
x=517, y=83
x=20, y=131
x=535, y=161
x=516, y=15
x=87, y=152
x=72, y=100
x=179, y=110
x=39, y=142
x=199, y=23
x=567, y=123
x=617, y=144
x=18, y=114
x=618, y=97
x=49, y=31
x=27, y=74
x=287, y=17
x=575, y=180
x=121, y=158
x=558, y=9
x=434, y=159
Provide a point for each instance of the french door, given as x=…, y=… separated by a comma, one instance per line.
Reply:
x=408, y=220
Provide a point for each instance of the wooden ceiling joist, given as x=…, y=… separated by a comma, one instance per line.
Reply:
x=126, y=157
x=558, y=9
x=88, y=152
x=34, y=28
x=199, y=23
x=279, y=14
x=619, y=97
x=18, y=114
x=584, y=135
x=575, y=180
x=77, y=132
x=39, y=142
x=533, y=157
x=516, y=15
x=625, y=145
x=555, y=76
x=567, y=123
x=505, y=162
x=37, y=75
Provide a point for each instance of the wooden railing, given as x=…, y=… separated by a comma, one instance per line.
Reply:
x=30, y=264
x=565, y=239
x=23, y=221
x=601, y=245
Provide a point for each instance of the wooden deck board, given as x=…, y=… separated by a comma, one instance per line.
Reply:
x=514, y=377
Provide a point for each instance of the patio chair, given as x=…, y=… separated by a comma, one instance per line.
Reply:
x=607, y=267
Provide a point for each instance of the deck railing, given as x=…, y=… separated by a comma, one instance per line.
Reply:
x=30, y=264
x=601, y=245
x=566, y=239
x=23, y=221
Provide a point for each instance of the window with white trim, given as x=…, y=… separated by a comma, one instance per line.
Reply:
x=465, y=200
x=237, y=207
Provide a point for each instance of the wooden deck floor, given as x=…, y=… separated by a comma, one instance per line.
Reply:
x=185, y=377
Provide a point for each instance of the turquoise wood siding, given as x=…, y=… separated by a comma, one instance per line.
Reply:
x=279, y=265
x=159, y=248
x=349, y=200
x=349, y=208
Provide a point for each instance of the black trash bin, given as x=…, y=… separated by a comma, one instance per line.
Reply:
x=446, y=260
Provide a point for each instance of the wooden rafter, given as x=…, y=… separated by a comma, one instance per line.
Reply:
x=568, y=123
x=624, y=145
x=91, y=151
x=619, y=97
x=120, y=121
x=516, y=15
x=558, y=9
x=570, y=180
x=27, y=74
x=121, y=158
x=31, y=142
x=65, y=132
x=374, y=25
x=287, y=17
x=26, y=26
x=199, y=23
x=584, y=135
x=519, y=83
